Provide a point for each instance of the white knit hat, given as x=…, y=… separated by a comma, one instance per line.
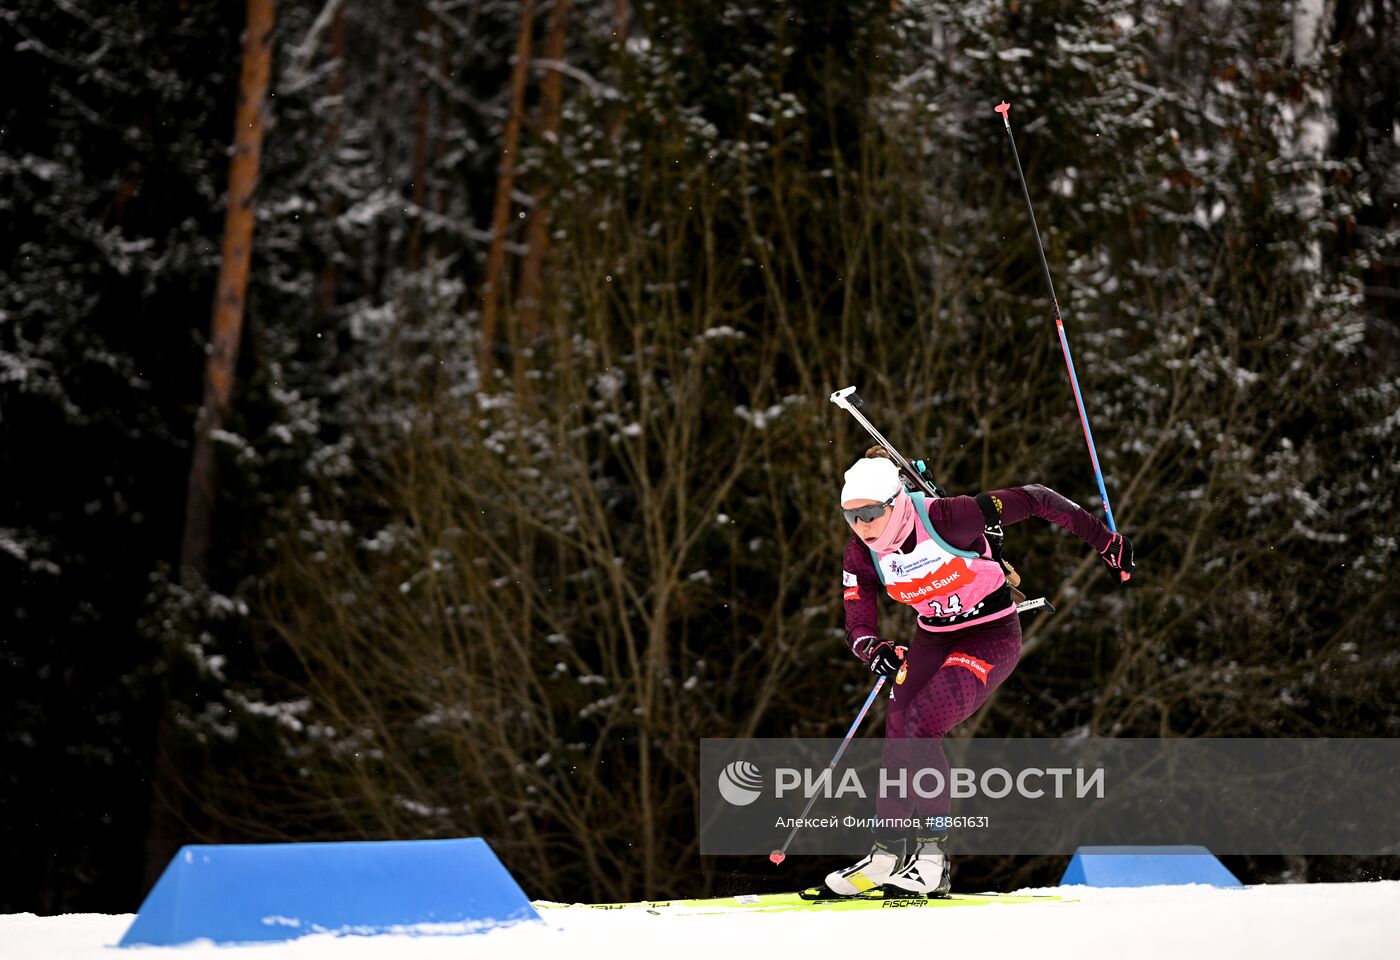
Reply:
x=871, y=478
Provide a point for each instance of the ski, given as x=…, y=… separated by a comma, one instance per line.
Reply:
x=806, y=901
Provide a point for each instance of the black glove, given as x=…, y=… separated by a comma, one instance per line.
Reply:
x=886, y=659
x=1118, y=557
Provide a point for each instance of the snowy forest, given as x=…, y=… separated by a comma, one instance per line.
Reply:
x=414, y=422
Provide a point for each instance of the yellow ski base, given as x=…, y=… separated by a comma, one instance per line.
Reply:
x=793, y=902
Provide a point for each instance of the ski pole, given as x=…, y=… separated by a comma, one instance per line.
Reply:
x=778, y=856
x=1004, y=109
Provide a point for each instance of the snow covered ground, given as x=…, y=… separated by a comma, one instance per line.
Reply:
x=1351, y=920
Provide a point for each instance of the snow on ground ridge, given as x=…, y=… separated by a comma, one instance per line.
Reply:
x=1353, y=920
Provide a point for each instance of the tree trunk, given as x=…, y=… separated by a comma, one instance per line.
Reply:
x=422, y=109
x=227, y=324
x=331, y=206
x=537, y=230
x=505, y=183
x=1366, y=88
x=164, y=834
x=1309, y=35
x=621, y=26
x=445, y=187
x=622, y=17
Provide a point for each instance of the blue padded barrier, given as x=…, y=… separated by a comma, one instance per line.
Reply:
x=281, y=891
x=1146, y=867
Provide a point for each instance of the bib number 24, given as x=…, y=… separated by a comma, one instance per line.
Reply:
x=952, y=607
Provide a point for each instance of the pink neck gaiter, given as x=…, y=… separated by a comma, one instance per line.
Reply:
x=900, y=526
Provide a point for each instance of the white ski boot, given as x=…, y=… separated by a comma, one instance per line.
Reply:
x=878, y=867
x=924, y=874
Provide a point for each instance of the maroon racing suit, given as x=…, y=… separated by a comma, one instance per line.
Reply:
x=948, y=674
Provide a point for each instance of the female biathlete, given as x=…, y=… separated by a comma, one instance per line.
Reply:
x=933, y=555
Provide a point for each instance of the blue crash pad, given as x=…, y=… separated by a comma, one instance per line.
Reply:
x=281, y=891
x=1146, y=867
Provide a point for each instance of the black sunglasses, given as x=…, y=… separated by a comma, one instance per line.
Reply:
x=869, y=513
